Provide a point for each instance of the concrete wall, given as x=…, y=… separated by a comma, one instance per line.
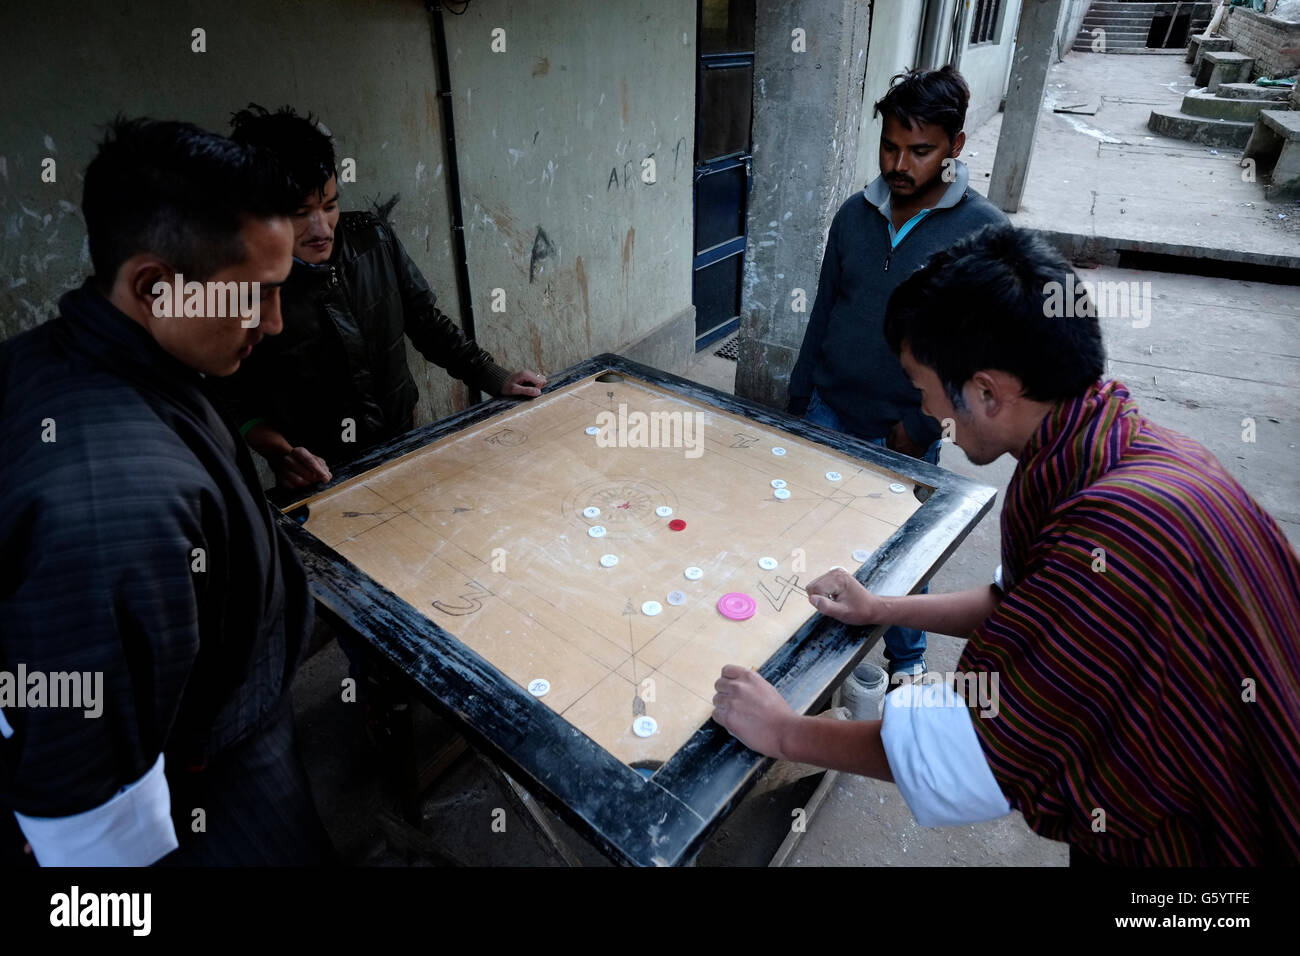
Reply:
x=806, y=117
x=1274, y=43
x=552, y=135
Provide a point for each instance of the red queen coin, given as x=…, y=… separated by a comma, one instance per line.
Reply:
x=677, y=524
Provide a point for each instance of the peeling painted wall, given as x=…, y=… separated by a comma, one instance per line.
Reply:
x=553, y=133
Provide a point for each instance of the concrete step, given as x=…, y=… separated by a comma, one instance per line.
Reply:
x=1223, y=66
x=1129, y=50
x=1210, y=106
x=1202, y=9
x=1253, y=91
x=1198, y=129
x=1113, y=44
x=1140, y=35
x=1119, y=23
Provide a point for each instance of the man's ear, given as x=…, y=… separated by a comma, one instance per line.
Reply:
x=958, y=142
x=133, y=291
x=988, y=391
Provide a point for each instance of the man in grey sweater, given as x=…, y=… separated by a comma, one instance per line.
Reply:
x=846, y=377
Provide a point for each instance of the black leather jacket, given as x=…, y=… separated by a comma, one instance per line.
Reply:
x=342, y=353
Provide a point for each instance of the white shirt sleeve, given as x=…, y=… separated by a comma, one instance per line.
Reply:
x=133, y=828
x=936, y=759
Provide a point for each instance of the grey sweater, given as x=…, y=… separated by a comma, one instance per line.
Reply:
x=844, y=354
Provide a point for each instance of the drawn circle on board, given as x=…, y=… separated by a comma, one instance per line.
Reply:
x=737, y=606
x=693, y=574
x=645, y=726
x=626, y=504
x=781, y=494
x=778, y=451
x=539, y=686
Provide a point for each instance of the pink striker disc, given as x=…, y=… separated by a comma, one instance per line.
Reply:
x=737, y=606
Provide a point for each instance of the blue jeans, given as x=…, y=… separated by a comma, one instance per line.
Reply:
x=904, y=646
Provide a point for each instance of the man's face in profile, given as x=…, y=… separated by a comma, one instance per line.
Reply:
x=215, y=345
x=314, y=222
x=911, y=160
x=971, y=432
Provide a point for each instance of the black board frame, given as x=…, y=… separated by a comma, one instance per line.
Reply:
x=666, y=818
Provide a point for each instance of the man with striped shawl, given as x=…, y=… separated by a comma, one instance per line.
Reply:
x=1143, y=627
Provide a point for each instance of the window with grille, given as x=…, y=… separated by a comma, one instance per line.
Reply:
x=984, y=24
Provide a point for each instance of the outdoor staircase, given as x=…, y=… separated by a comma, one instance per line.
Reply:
x=1224, y=109
x=1119, y=26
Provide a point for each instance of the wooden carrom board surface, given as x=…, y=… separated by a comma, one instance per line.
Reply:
x=488, y=533
x=460, y=554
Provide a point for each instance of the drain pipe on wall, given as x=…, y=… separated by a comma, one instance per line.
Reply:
x=463, y=298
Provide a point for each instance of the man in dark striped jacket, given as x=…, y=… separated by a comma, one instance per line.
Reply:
x=136, y=546
x=1144, y=630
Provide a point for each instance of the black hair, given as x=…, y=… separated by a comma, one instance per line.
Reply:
x=179, y=192
x=989, y=302
x=306, y=150
x=927, y=96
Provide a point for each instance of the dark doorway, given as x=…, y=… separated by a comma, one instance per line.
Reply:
x=1177, y=37
x=724, y=99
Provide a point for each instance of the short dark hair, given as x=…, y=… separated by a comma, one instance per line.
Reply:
x=985, y=303
x=927, y=96
x=178, y=191
x=305, y=149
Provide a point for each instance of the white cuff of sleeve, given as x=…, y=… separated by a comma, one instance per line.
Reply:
x=134, y=828
x=936, y=759
x=997, y=578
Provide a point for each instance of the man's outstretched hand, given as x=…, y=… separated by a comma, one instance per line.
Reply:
x=526, y=382
x=838, y=594
x=753, y=710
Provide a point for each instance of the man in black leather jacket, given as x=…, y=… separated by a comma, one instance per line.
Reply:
x=336, y=383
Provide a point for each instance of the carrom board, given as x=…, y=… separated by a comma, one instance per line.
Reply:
x=550, y=572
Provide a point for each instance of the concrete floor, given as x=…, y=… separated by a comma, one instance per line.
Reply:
x=1109, y=178
x=1216, y=352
